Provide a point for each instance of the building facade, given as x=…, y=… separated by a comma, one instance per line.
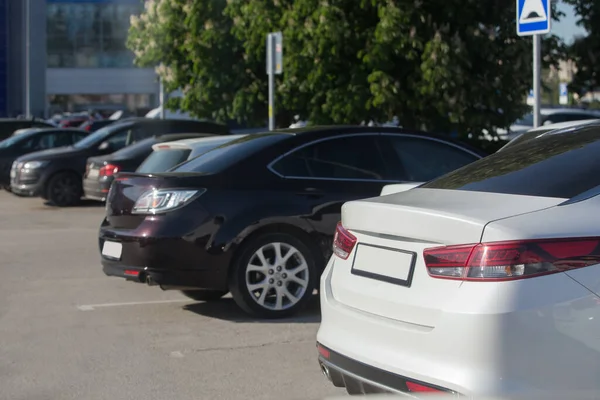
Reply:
x=78, y=58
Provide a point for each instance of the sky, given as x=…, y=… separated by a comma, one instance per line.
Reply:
x=567, y=28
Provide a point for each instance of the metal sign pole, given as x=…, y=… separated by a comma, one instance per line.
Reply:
x=534, y=18
x=162, y=100
x=28, y=59
x=271, y=73
x=537, y=72
x=274, y=67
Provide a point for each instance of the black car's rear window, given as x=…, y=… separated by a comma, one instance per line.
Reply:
x=230, y=153
x=561, y=165
x=163, y=160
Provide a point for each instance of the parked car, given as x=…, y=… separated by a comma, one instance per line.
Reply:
x=101, y=170
x=9, y=125
x=94, y=125
x=56, y=175
x=544, y=129
x=256, y=216
x=483, y=281
x=31, y=140
x=548, y=116
x=166, y=156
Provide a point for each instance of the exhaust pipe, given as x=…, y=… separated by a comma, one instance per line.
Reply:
x=150, y=281
x=325, y=371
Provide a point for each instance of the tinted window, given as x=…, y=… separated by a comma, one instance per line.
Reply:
x=423, y=159
x=555, y=165
x=555, y=118
x=163, y=160
x=62, y=139
x=230, y=153
x=352, y=157
x=77, y=136
x=120, y=140
x=208, y=144
x=526, y=120
x=539, y=133
x=18, y=141
x=97, y=137
x=136, y=149
x=142, y=132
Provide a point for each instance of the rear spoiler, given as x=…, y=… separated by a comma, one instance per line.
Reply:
x=398, y=187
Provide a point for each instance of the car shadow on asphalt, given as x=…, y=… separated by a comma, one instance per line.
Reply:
x=227, y=310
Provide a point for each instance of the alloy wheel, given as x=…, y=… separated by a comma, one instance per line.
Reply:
x=65, y=190
x=277, y=276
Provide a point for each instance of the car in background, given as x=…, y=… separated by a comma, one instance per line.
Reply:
x=483, y=281
x=256, y=216
x=544, y=129
x=56, y=175
x=94, y=125
x=548, y=116
x=102, y=170
x=31, y=140
x=9, y=125
x=166, y=156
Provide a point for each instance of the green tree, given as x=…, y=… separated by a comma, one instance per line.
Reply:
x=585, y=50
x=441, y=64
x=193, y=48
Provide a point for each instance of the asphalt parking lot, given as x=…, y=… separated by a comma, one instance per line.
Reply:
x=69, y=332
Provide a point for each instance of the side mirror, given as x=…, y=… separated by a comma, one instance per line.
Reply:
x=105, y=147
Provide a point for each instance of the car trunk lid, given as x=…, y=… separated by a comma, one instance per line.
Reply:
x=385, y=274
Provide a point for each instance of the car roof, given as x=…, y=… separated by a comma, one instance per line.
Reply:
x=562, y=125
x=191, y=143
x=316, y=132
x=564, y=128
x=564, y=110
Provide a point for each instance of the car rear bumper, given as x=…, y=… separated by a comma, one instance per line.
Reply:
x=362, y=379
x=169, y=262
x=166, y=278
x=94, y=189
x=518, y=337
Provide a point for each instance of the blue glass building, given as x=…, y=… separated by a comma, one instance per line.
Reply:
x=78, y=57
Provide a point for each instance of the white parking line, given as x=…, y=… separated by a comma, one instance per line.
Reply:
x=91, y=307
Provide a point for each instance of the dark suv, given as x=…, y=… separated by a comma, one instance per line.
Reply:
x=56, y=175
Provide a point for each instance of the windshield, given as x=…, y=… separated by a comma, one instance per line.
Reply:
x=97, y=137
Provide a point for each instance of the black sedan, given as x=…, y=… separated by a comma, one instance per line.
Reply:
x=31, y=140
x=101, y=170
x=256, y=216
x=56, y=175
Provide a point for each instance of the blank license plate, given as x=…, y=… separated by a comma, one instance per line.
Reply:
x=384, y=264
x=112, y=249
x=93, y=173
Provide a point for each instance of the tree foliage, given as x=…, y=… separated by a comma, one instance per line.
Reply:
x=447, y=65
x=585, y=51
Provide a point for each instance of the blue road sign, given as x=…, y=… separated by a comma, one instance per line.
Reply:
x=563, y=89
x=533, y=17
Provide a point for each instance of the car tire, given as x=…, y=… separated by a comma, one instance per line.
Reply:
x=204, y=294
x=64, y=189
x=283, y=282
